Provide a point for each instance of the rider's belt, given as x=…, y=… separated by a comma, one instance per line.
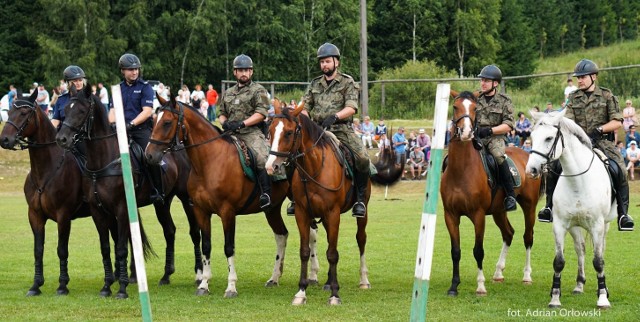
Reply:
x=607, y=136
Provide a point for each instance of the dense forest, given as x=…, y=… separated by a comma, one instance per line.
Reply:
x=195, y=41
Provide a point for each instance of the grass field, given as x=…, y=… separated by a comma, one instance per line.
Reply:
x=391, y=252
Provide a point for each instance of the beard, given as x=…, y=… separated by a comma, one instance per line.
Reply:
x=244, y=80
x=329, y=72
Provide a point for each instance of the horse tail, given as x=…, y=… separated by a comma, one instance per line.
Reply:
x=388, y=172
x=147, y=250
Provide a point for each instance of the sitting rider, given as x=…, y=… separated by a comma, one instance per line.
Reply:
x=74, y=77
x=331, y=100
x=137, y=100
x=595, y=109
x=243, y=108
x=494, y=119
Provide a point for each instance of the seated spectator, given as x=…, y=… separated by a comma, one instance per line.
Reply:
x=523, y=128
x=424, y=142
x=381, y=128
x=527, y=145
x=383, y=145
x=632, y=135
x=368, y=131
x=416, y=162
x=411, y=142
x=511, y=139
x=628, y=116
x=357, y=127
x=399, y=142
x=623, y=151
x=633, y=154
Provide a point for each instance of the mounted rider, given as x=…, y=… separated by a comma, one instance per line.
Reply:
x=595, y=109
x=242, y=109
x=73, y=76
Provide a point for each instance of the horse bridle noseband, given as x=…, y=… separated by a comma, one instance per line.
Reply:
x=24, y=143
x=291, y=155
x=549, y=157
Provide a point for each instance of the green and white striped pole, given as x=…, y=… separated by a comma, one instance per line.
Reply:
x=428, y=224
x=132, y=207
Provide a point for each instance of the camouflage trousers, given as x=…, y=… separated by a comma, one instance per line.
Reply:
x=496, y=146
x=346, y=136
x=256, y=142
x=610, y=151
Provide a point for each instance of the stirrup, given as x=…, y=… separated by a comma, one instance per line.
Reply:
x=625, y=223
x=265, y=201
x=156, y=198
x=291, y=209
x=544, y=215
x=510, y=203
x=359, y=210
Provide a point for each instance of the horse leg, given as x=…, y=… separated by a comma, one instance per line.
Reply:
x=274, y=218
x=507, y=231
x=229, y=228
x=598, y=233
x=578, y=245
x=478, y=250
x=558, y=263
x=361, y=238
x=453, y=226
x=313, y=248
x=122, y=252
x=163, y=214
x=529, y=210
x=304, y=228
x=195, y=234
x=104, y=226
x=37, y=227
x=332, y=226
x=204, y=222
x=64, y=230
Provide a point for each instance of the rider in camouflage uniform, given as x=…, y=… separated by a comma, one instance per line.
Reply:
x=243, y=108
x=331, y=100
x=595, y=109
x=494, y=119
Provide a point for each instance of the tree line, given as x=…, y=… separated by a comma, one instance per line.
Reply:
x=195, y=41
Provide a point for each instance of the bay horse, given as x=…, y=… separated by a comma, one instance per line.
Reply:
x=321, y=189
x=465, y=192
x=582, y=198
x=217, y=184
x=52, y=188
x=86, y=120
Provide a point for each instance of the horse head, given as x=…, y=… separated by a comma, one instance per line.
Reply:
x=545, y=137
x=166, y=136
x=464, y=114
x=284, y=135
x=81, y=113
x=23, y=123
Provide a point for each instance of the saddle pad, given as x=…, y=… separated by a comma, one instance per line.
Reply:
x=247, y=159
x=490, y=167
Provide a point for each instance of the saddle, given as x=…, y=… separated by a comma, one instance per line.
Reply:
x=491, y=168
x=615, y=173
x=346, y=156
x=248, y=161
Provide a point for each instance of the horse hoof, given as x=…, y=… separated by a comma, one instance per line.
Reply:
x=554, y=306
x=35, y=292
x=133, y=280
x=326, y=287
x=452, y=293
x=164, y=282
x=313, y=282
x=498, y=279
x=334, y=300
x=122, y=296
x=527, y=282
x=604, y=307
x=299, y=301
x=62, y=291
x=365, y=286
x=230, y=294
x=577, y=292
x=481, y=293
x=105, y=292
x=271, y=283
x=201, y=292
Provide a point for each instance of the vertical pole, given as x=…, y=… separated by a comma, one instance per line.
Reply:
x=428, y=224
x=364, y=58
x=132, y=207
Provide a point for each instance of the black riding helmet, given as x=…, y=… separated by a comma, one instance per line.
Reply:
x=73, y=72
x=585, y=67
x=491, y=72
x=328, y=50
x=242, y=61
x=129, y=61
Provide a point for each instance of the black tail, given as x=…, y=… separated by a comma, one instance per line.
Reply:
x=147, y=250
x=388, y=172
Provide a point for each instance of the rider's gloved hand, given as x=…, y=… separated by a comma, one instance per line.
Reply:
x=484, y=132
x=330, y=120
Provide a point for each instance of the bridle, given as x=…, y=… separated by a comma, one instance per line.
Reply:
x=21, y=141
x=457, y=133
x=175, y=143
x=84, y=132
x=550, y=156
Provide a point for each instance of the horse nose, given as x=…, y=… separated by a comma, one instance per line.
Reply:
x=532, y=172
x=5, y=143
x=61, y=140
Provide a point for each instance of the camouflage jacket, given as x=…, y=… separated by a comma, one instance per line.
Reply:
x=499, y=110
x=594, y=110
x=322, y=100
x=239, y=103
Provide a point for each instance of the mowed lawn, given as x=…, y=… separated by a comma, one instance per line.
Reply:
x=391, y=252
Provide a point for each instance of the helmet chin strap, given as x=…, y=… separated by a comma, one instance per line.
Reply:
x=592, y=82
x=490, y=90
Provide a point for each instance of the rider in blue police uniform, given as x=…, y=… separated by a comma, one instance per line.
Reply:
x=137, y=100
x=73, y=76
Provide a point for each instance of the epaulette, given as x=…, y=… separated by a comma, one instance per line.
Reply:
x=317, y=78
x=346, y=75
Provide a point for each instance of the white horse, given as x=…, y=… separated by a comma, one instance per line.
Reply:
x=582, y=198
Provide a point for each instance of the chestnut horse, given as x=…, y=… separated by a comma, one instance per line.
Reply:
x=86, y=119
x=216, y=184
x=321, y=189
x=52, y=188
x=465, y=192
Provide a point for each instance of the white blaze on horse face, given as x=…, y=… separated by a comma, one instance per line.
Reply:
x=159, y=117
x=466, y=129
x=274, y=147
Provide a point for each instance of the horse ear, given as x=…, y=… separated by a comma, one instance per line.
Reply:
x=33, y=96
x=476, y=94
x=87, y=90
x=73, y=91
x=453, y=93
x=277, y=106
x=161, y=100
x=298, y=109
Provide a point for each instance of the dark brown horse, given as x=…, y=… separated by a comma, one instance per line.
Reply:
x=86, y=119
x=321, y=189
x=465, y=192
x=52, y=188
x=217, y=184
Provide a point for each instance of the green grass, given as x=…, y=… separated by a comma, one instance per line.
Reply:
x=391, y=252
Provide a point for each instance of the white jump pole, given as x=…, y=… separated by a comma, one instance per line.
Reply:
x=428, y=224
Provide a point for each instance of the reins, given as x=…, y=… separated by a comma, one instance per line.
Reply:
x=546, y=167
x=25, y=143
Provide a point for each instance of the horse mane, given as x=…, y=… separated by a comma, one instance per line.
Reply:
x=315, y=132
x=197, y=112
x=570, y=126
x=468, y=95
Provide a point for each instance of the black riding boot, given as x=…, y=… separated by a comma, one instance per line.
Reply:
x=362, y=180
x=544, y=215
x=625, y=222
x=265, y=187
x=291, y=210
x=157, y=193
x=507, y=184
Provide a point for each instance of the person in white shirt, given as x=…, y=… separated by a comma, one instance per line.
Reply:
x=43, y=98
x=570, y=88
x=104, y=95
x=633, y=154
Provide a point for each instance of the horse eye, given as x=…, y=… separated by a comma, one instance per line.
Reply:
x=288, y=134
